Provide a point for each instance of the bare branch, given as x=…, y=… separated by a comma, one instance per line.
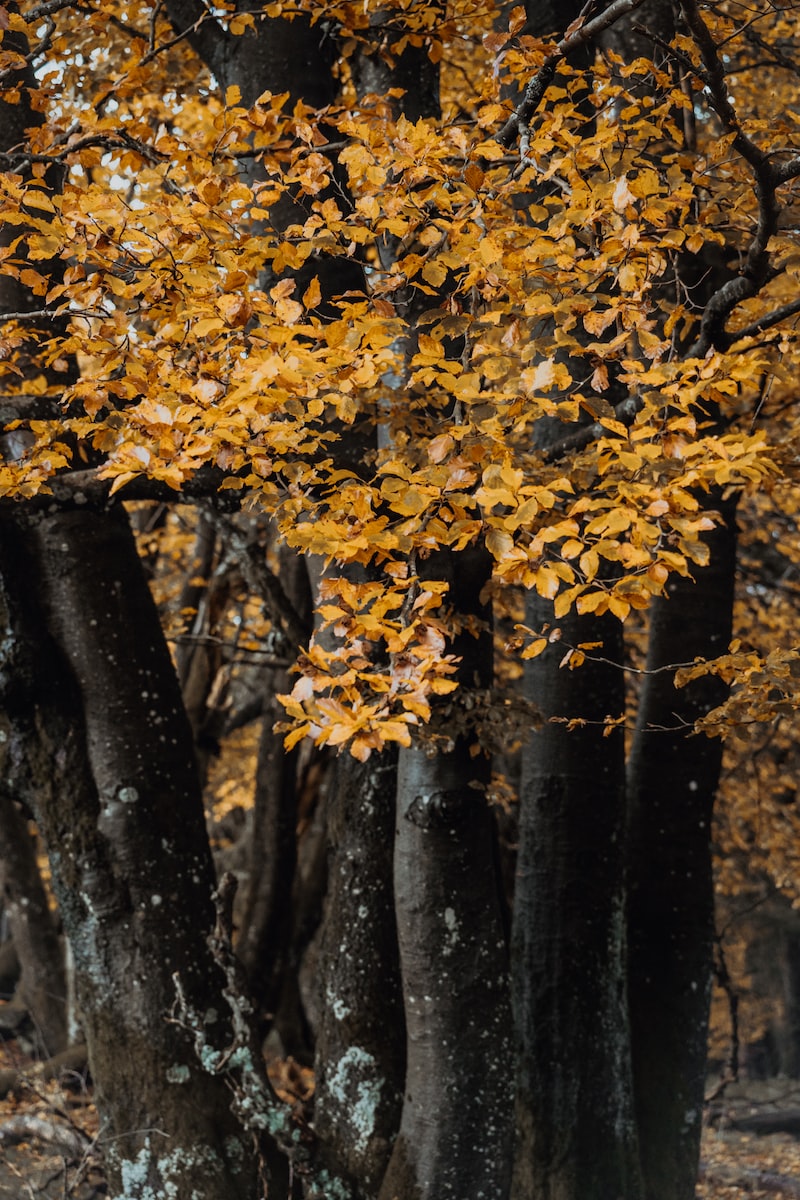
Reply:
x=785, y=171
x=47, y=8
x=757, y=269
x=777, y=57
x=108, y=141
x=580, y=33
x=765, y=322
x=265, y=584
x=51, y=314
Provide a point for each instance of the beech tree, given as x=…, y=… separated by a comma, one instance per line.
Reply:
x=485, y=310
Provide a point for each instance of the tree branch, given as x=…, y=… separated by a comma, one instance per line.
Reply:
x=265, y=584
x=757, y=268
x=47, y=8
x=765, y=322
x=30, y=408
x=84, y=489
x=625, y=412
x=580, y=33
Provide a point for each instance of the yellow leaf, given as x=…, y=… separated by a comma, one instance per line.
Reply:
x=499, y=543
x=440, y=447
x=296, y=735
x=396, y=731
x=237, y=27
x=620, y=608
x=599, y=380
x=473, y=176
x=593, y=602
x=622, y=196
x=43, y=245
x=206, y=326
x=235, y=308
x=361, y=748
x=34, y=198
x=312, y=294
x=517, y=20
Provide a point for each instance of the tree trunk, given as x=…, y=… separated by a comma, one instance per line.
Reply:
x=455, y=1133
x=672, y=779
x=99, y=731
x=360, y=1057
x=265, y=942
x=576, y=1137
x=42, y=985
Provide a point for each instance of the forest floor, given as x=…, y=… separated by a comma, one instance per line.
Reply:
x=48, y=1136
x=49, y=1139
x=744, y=1162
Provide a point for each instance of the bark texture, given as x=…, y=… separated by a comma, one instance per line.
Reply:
x=576, y=1137
x=455, y=1134
x=360, y=1053
x=93, y=701
x=672, y=780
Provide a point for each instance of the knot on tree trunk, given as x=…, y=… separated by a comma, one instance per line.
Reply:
x=433, y=810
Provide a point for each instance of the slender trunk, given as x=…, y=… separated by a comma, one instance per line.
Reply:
x=198, y=657
x=455, y=1133
x=93, y=702
x=672, y=779
x=42, y=985
x=575, y=1130
x=265, y=942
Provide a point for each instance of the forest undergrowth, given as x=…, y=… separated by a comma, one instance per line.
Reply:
x=51, y=1146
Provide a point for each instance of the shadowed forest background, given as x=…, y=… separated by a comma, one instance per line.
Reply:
x=398, y=580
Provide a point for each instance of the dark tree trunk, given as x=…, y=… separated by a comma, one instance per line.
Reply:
x=99, y=746
x=456, y=1130
x=265, y=942
x=576, y=1137
x=94, y=706
x=9, y=969
x=360, y=1057
x=198, y=656
x=42, y=985
x=360, y=1031
x=672, y=779
x=790, y=1040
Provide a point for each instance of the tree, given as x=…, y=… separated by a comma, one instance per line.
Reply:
x=465, y=343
